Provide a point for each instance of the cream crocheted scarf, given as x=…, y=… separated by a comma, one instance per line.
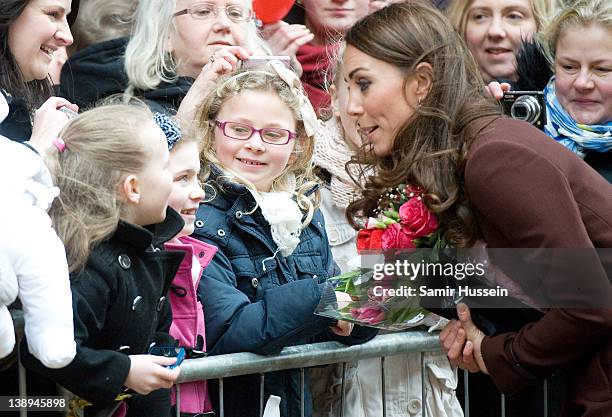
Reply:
x=331, y=153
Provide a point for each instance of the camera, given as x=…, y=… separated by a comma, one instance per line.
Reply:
x=529, y=106
x=260, y=61
x=68, y=112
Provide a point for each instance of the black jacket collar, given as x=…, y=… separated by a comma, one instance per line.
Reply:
x=143, y=237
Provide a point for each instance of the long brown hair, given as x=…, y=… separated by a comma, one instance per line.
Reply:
x=429, y=149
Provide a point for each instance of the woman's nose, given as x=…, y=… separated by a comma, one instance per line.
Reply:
x=497, y=28
x=63, y=34
x=221, y=21
x=584, y=81
x=353, y=106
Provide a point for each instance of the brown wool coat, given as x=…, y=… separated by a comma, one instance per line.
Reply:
x=528, y=191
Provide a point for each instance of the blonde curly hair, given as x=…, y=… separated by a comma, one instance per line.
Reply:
x=297, y=178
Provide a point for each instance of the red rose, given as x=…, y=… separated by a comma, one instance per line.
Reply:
x=416, y=219
x=395, y=238
x=369, y=239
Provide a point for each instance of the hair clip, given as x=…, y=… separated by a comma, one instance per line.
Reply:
x=170, y=129
x=60, y=144
x=309, y=117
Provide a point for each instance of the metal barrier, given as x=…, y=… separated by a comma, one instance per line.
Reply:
x=303, y=356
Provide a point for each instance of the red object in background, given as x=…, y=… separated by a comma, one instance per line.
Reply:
x=270, y=11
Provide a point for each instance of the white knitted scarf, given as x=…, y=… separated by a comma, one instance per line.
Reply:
x=285, y=218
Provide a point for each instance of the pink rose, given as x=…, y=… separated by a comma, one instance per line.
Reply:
x=394, y=237
x=416, y=219
x=370, y=315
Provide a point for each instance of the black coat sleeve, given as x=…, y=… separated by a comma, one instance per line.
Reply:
x=96, y=375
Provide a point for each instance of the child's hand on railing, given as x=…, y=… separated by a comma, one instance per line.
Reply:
x=149, y=373
x=342, y=328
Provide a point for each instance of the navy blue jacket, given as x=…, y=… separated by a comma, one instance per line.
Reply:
x=257, y=302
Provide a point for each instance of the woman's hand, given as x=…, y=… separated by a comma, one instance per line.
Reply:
x=461, y=341
x=286, y=39
x=497, y=90
x=149, y=373
x=223, y=61
x=49, y=121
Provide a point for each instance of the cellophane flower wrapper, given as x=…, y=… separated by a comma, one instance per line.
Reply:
x=393, y=313
x=402, y=223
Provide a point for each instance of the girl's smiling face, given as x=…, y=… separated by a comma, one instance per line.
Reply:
x=256, y=161
x=187, y=193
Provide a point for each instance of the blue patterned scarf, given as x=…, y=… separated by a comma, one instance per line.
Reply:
x=577, y=137
x=171, y=130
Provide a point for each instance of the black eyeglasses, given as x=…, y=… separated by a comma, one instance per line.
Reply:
x=208, y=11
x=241, y=131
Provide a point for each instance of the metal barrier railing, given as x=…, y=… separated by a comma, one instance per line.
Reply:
x=304, y=356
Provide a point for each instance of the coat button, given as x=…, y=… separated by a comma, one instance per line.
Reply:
x=136, y=302
x=124, y=261
x=221, y=232
x=315, y=277
x=199, y=223
x=200, y=254
x=414, y=406
x=255, y=282
x=160, y=303
x=239, y=215
x=333, y=236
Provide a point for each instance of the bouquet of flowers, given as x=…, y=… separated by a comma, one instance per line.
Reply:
x=403, y=224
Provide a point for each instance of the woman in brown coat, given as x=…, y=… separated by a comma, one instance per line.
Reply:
x=420, y=106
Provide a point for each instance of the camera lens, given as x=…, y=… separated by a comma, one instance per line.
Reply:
x=526, y=108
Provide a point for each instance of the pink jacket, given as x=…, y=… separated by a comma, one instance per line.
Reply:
x=188, y=317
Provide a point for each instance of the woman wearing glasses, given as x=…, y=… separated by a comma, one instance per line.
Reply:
x=179, y=49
